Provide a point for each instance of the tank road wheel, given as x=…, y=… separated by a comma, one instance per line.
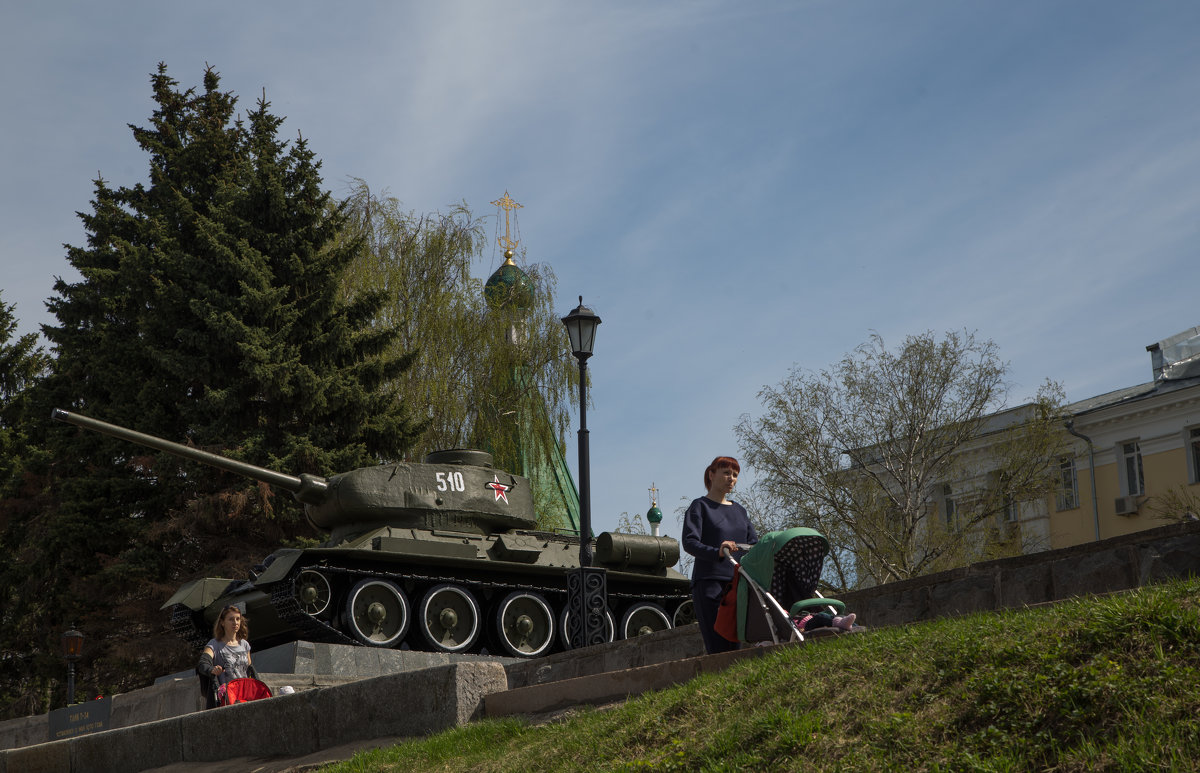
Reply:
x=449, y=618
x=642, y=618
x=564, y=623
x=376, y=613
x=525, y=625
x=685, y=614
x=313, y=592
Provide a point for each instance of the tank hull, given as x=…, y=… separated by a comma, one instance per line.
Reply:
x=488, y=569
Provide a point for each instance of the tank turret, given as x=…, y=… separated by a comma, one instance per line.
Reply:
x=442, y=555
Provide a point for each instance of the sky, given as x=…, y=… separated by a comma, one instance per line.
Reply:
x=737, y=188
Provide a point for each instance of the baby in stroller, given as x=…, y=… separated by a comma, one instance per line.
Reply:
x=774, y=595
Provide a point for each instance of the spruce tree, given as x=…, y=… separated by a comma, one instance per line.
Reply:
x=209, y=312
x=22, y=362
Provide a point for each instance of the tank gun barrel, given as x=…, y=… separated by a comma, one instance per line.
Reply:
x=309, y=489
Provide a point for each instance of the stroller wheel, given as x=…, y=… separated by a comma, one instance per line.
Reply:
x=643, y=618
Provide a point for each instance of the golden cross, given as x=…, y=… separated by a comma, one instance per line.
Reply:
x=653, y=495
x=508, y=205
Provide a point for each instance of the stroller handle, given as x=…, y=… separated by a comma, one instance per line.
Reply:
x=725, y=552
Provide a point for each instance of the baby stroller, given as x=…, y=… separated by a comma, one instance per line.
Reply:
x=242, y=690
x=776, y=582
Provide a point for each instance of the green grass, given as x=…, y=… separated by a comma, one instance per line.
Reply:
x=1096, y=684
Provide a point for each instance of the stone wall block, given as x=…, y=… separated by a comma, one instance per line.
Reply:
x=24, y=731
x=52, y=757
x=150, y=745
x=1090, y=573
x=1167, y=560
x=412, y=703
x=159, y=701
x=284, y=725
x=972, y=593
x=473, y=683
x=1024, y=585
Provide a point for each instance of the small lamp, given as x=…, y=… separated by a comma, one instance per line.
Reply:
x=581, y=327
x=72, y=648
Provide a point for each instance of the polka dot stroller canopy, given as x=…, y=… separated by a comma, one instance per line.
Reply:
x=787, y=566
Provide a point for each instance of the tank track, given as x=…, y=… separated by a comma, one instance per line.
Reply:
x=183, y=625
x=309, y=628
x=458, y=580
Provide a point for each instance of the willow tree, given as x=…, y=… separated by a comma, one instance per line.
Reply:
x=491, y=367
x=907, y=460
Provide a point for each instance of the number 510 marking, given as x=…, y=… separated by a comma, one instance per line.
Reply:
x=452, y=481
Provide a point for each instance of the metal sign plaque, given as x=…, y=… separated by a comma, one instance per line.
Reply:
x=80, y=719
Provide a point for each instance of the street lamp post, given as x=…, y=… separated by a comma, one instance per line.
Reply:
x=588, y=589
x=72, y=647
x=581, y=327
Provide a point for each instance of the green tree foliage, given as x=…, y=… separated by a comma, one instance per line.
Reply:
x=491, y=369
x=211, y=311
x=863, y=450
x=22, y=362
x=1176, y=504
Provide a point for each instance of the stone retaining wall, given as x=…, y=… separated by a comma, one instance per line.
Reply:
x=413, y=703
x=1116, y=564
x=301, y=665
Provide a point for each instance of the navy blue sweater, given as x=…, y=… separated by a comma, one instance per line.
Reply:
x=707, y=524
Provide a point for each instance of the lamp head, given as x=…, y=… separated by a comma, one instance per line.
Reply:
x=581, y=327
x=72, y=644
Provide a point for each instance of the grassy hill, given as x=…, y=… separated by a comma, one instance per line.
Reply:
x=1108, y=683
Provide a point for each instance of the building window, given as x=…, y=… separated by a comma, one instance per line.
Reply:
x=1012, y=512
x=1068, y=484
x=1193, y=454
x=1133, y=482
x=948, y=507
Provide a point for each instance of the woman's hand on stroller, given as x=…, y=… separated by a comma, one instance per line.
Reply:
x=728, y=547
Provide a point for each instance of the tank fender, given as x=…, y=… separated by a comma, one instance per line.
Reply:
x=198, y=594
x=280, y=566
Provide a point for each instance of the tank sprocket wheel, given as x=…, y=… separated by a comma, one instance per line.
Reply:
x=643, y=618
x=524, y=625
x=449, y=618
x=376, y=613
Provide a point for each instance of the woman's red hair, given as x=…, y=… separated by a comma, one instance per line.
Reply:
x=717, y=464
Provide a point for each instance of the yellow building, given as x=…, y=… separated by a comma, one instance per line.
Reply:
x=1141, y=446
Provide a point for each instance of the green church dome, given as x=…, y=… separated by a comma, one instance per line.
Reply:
x=509, y=285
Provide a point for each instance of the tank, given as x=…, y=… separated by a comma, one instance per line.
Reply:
x=443, y=556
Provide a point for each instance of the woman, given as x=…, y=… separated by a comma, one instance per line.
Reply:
x=227, y=655
x=713, y=522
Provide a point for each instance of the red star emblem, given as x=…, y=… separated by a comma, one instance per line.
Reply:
x=500, y=488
